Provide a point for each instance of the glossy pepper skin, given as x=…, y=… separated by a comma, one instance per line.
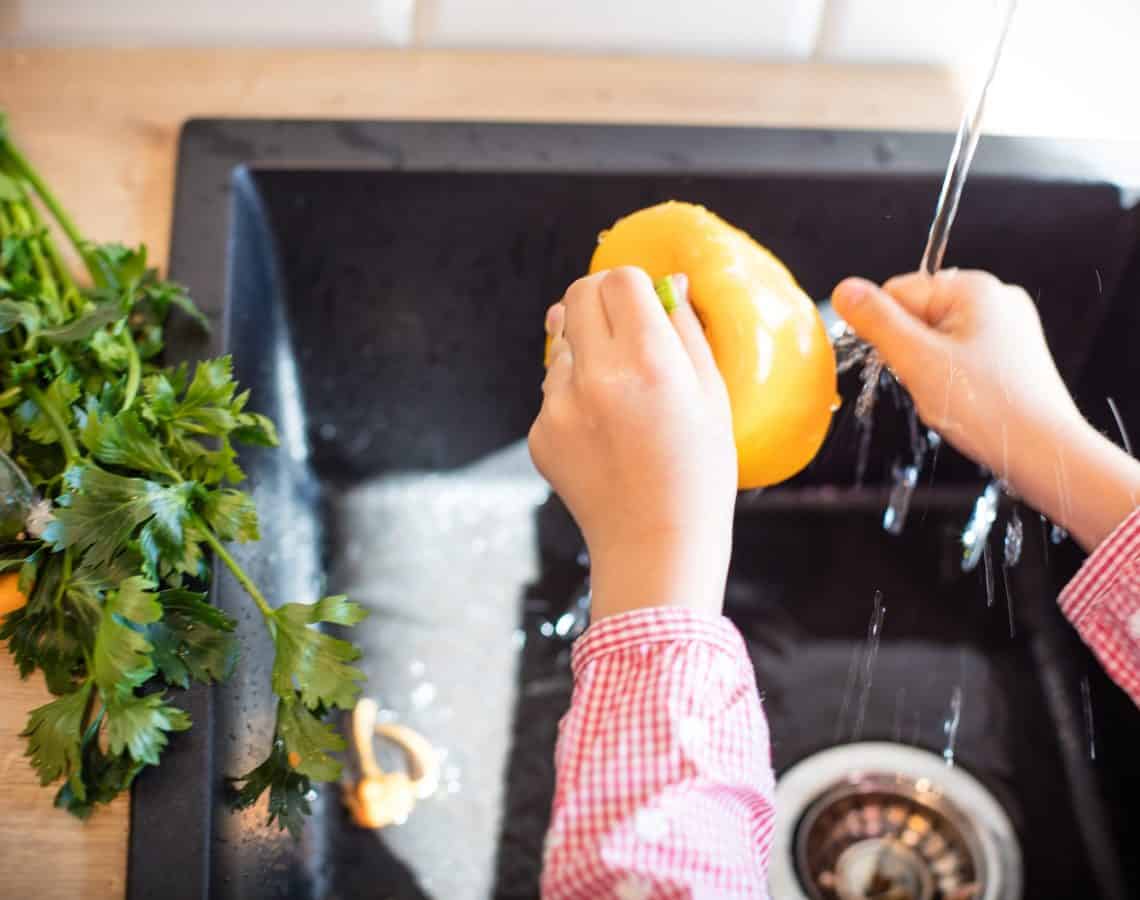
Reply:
x=769, y=341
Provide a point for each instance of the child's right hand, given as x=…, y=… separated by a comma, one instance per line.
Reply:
x=971, y=352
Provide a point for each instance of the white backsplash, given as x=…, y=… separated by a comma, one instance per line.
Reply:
x=1058, y=45
x=758, y=29
x=258, y=23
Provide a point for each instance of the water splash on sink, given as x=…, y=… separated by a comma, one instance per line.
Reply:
x=900, y=703
x=1011, y=555
x=874, y=631
x=988, y=566
x=975, y=536
x=861, y=673
x=848, y=691
x=950, y=725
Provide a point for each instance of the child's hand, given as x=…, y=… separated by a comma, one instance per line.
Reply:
x=635, y=435
x=971, y=351
x=972, y=354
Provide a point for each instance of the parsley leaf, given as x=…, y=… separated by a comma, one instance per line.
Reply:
x=104, y=777
x=130, y=466
x=308, y=741
x=53, y=734
x=255, y=429
x=117, y=267
x=312, y=663
x=123, y=440
x=103, y=512
x=121, y=659
x=194, y=640
x=139, y=725
x=232, y=515
x=33, y=422
x=81, y=328
x=42, y=635
x=162, y=295
x=288, y=788
x=18, y=312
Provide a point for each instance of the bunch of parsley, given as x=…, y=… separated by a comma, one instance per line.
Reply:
x=133, y=468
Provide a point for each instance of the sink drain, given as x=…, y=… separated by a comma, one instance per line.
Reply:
x=880, y=821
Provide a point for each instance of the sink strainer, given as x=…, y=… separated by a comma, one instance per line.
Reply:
x=878, y=821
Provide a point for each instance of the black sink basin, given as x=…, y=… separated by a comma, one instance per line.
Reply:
x=382, y=286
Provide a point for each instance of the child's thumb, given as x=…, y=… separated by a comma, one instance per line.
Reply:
x=879, y=319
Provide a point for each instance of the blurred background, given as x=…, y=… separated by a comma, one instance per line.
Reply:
x=1068, y=62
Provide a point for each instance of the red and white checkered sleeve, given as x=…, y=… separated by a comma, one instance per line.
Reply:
x=1103, y=602
x=664, y=785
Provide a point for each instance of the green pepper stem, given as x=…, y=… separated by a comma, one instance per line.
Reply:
x=239, y=573
x=66, y=439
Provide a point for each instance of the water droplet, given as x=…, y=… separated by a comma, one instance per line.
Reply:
x=423, y=695
x=905, y=480
x=564, y=624
x=988, y=573
x=900, y=701
x=416, y=668
x=327, y=431
x=1008, y=601
x=975, y=536
x=1120, y=426
x=836, y=403
x=874, y=631
x=951, y=723
x=1014, y=538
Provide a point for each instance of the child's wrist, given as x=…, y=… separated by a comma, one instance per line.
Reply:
x=661, y=573
x=1031, y=441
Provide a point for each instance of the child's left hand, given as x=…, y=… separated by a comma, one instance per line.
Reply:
x=635, y=435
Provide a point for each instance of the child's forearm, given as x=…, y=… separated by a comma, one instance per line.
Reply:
x=665, y=785
x=1066, y=469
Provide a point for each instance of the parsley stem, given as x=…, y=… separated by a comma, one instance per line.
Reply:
x=66, y=440
x=25, y=170
x=239, y=573
x=64, y=578
x=24, y=222
x=134, y=370
x=70, y=291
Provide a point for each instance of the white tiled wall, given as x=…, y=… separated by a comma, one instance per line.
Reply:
x=774, y=29
x=1080, y=38
x=208, y=22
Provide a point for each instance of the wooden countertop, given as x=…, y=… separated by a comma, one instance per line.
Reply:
x=102, y=126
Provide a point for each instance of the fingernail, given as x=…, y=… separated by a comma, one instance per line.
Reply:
x=554, y=318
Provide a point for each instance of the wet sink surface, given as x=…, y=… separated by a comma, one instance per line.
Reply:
x=390, y=320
